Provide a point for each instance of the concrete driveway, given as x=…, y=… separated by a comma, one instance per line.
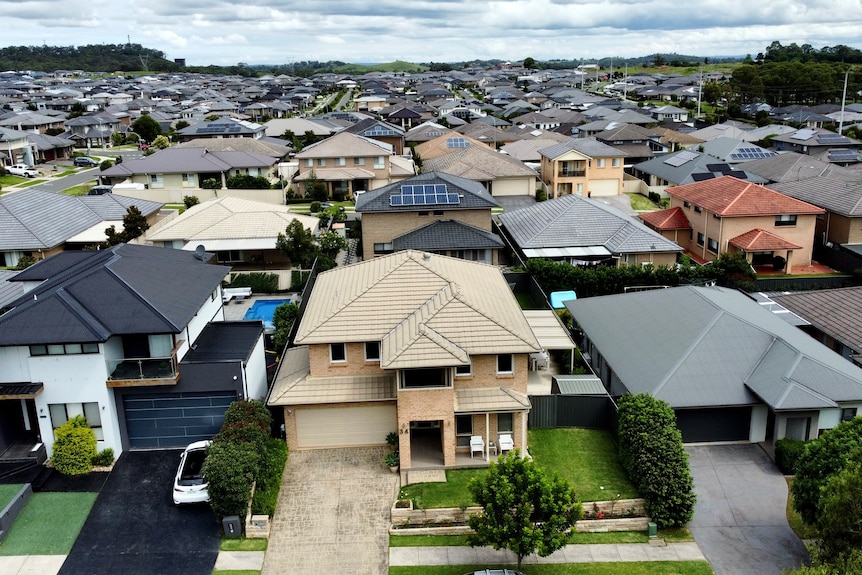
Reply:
x=739, y=521
x=332, y=514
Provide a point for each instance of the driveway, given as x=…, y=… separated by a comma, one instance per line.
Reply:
x=135, y=528
x=740, y=521
x=332, y=514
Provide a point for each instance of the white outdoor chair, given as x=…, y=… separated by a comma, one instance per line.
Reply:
x=477, y=444
x=505, y=442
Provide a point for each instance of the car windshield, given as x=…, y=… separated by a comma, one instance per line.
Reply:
x=191, y=473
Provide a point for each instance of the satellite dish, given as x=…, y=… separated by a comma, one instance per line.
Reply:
x=200, y=252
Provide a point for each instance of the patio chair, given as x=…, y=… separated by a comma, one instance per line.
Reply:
x=505, y=442
x=477, y=444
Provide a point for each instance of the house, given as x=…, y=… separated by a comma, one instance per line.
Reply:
x=822, y=144
x=132, y=338
x=223, y=127
x=729, y=215
x=348, y=163
x=432, y=212
x=730, y=369
x=582, y=166
x=685, y=167
x=380, y=130
x=435, y=349
x=40, y=224
x=584, y=231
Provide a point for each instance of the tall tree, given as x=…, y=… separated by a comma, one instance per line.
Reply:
x=147, y=128
x=524, y=510
x=134, y=226
x=297, y=243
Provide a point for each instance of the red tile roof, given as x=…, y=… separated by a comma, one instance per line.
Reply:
x=728, y=196
x=762, y=241
x=671, y=219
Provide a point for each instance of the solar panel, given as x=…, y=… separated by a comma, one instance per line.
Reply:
x=832, y=139
x=803, y=134
x=379, y=131
x=457, y=143
x=738, y=174
x=681, y=158
x=424, y=195
x=702, y=177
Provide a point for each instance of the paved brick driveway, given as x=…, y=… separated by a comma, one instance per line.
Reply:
x=333, y=514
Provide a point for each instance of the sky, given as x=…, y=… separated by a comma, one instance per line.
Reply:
x=224, y=32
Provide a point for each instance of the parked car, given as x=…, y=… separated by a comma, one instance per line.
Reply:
x=22, y=170
x=99, y=190
x=189, y=483
x=85, y=162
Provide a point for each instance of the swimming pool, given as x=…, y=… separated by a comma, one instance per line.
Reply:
x=263, y=309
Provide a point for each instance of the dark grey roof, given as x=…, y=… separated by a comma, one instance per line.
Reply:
x=834, y=194
x=225, y=341
x=447, y=235
x=37, y=219
x=127, y=289
x=835, y=312
x=189, y=160
x=473, y=195
x=9, y=291
x=687, y=166
x=587, y=146
x=712, y=347
x=573, y=221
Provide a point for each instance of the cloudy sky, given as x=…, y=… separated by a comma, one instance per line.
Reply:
x=362, y=31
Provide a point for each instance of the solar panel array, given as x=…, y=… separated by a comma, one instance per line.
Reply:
x=457, y=143
x=803, y=134
x=379, y=131
x=843, y=155
x=750, y=154
x=219, y=129
x=424, y=195
x=681, y=158
x=830, y=139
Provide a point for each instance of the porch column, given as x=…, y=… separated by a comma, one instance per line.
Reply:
x=787, y=266
x=523, y=432
x=487, y=435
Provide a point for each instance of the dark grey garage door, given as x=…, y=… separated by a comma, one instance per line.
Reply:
x=718, y=424
x=174, y=419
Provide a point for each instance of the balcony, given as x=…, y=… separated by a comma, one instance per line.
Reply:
x=571, y=173
x=143, y=371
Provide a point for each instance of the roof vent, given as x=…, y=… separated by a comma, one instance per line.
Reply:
x=426, y=256
x=200, y=252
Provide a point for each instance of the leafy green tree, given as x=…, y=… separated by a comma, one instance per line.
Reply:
x=839, y=519
x=74, y=447
x=524, y=510
x=76, y=110
x=134, y=226
x=315, y=188
x=161, y=142
x=230, y=468
x=181, y=124
x=331, y=243
x=105, y=164
x=189, y=201
x=282, y=320
x=651, y=451
x=297, y=243
x=147, y=128
x=529, y=63
x=118, y=139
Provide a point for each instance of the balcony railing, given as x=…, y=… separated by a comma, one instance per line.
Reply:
x=138, y=371
x=571, y=173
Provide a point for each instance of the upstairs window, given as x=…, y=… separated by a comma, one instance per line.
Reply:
x=505, y=363
x=785, y=220
x=372, y=351
x=337, y=353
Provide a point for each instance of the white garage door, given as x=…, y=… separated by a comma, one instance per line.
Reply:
x=345, y=426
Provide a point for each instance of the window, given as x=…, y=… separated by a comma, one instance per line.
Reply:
x=505, y=363
x=699, y=239
x=848, y=413
x=697, y=209
x=383, y=248
x=580, y=189
x=340, y=161
x=309, y=163
x=425, y=378
x=504, y=423
x=712, y=245
x=686, y=204
x=321, y=162
x=464, y=370
x=438, y=212
x=337, y=353
x=372, y=351
x=615, y=162
x=230, y=256
x=157, y=181
x=423, y=214
x=379, y=162
x=63, y=412
x=601, y=162
x=358, y=161
x=188, y=180
x=64, y=349
x=463, y=430
x=785, y=220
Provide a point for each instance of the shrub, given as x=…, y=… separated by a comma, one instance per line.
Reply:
x=104, y=458
x=269, y=477
x=252, y=412
x=314, y=207
x=74, y=447
x=651, y=451
x=259, y=282
x=247, y=182
x=787, y=454
x=298, y=279
x=190, y=201
x=211, y=184
x=230, y=469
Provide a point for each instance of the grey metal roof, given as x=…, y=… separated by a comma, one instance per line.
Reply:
x=189, y=160
x=9, y=291
x=835, y=312
x=572, y=221
x=225, y=341
x=712, y=347
x=474, y=195
x=579, y=385
x=834, y=194
x=447, y=235
x=589, y=147
x=683, y=167
x=127, y=289
x=37, y=219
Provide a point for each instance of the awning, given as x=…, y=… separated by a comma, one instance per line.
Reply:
x=336, y=175
x=20, y=390
x=568, y=252
x=490, y=399
x=232, y=244
x=548, y=329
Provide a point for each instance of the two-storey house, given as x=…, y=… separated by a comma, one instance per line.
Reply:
x=584, y=167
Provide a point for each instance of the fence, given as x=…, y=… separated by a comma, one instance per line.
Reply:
x=588, y=411
x=838, y=258
x=802, y=283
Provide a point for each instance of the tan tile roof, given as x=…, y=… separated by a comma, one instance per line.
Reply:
x=728, y=196
x=489, y=399
x=761, y=240
x=345, y=145
x=424, y=310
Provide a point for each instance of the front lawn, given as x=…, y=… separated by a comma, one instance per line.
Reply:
x=48, y=524
x=453, y=493
x=81, y=190
x=641, y=203
x=243, y=544
x=587, y=458
x=641, y=568
x=7, y=492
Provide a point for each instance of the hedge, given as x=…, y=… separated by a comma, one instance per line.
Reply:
x=74, y=447
x=787, y=454
x=230, y=468
x=259, y=282
x=269, y=477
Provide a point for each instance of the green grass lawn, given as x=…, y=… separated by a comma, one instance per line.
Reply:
x=48, y=524
x=78, y=190
x=7, y=492
x=453, y=493
x=643, y=568
x=641, y=203
x=428, y=540
x=31, y=182
x=587, y=458
x=10, y=180
x=243, y=544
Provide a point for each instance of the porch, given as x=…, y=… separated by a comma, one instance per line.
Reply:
x=427, y=453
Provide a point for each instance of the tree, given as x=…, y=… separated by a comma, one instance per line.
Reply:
x=161, y=142
x=524, y=510
x=74, y=447
x=230, y=468
x=297, y=243
x=76, y=110
x=282, y=320
x=529, y=63
x=134, y=226
x=147, y=128
x=839, y=520
x=190, y=201
x=315, y=188
x=331, y=243
x=181, y=124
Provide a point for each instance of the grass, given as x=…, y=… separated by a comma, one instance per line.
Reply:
x=10, y=180
x=641, y=568
x=7, y=492
x=526, y=301
x=78, y=190
x=453, y=493
x=641, y=203
x=428, y=541
x=801, y=528
x=30, y=183
x=243, y=544
x=587, y=458
x=48, y=524
x=617, y=537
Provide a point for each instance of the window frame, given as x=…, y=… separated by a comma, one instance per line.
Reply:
x=460, y=434
x=83, y=408
x=468, y=367
x=511, y=428
x=332, y=353
x=511, y=365
x=712, y=245
x=701, y=239
x=784, y=220
x=370, y=358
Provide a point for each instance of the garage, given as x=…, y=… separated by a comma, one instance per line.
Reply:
x=344, y=426
x=719, y=424
x=167, y=420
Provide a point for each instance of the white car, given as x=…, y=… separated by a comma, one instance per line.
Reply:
x=22, y=170
x=189, y=483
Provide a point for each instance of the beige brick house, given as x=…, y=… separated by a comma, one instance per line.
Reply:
x=729, y=215
x=433, y=348
x=584, y=167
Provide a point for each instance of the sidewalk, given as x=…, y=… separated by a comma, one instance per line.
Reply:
x=51, y=564
x=606, y=553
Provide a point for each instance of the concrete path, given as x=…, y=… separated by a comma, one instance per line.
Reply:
x=606, y=553
x=31, y=564
x=239, y=560
x=332, y=514
x=740, y=520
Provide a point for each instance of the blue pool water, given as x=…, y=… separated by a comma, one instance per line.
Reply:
x=264, y=309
